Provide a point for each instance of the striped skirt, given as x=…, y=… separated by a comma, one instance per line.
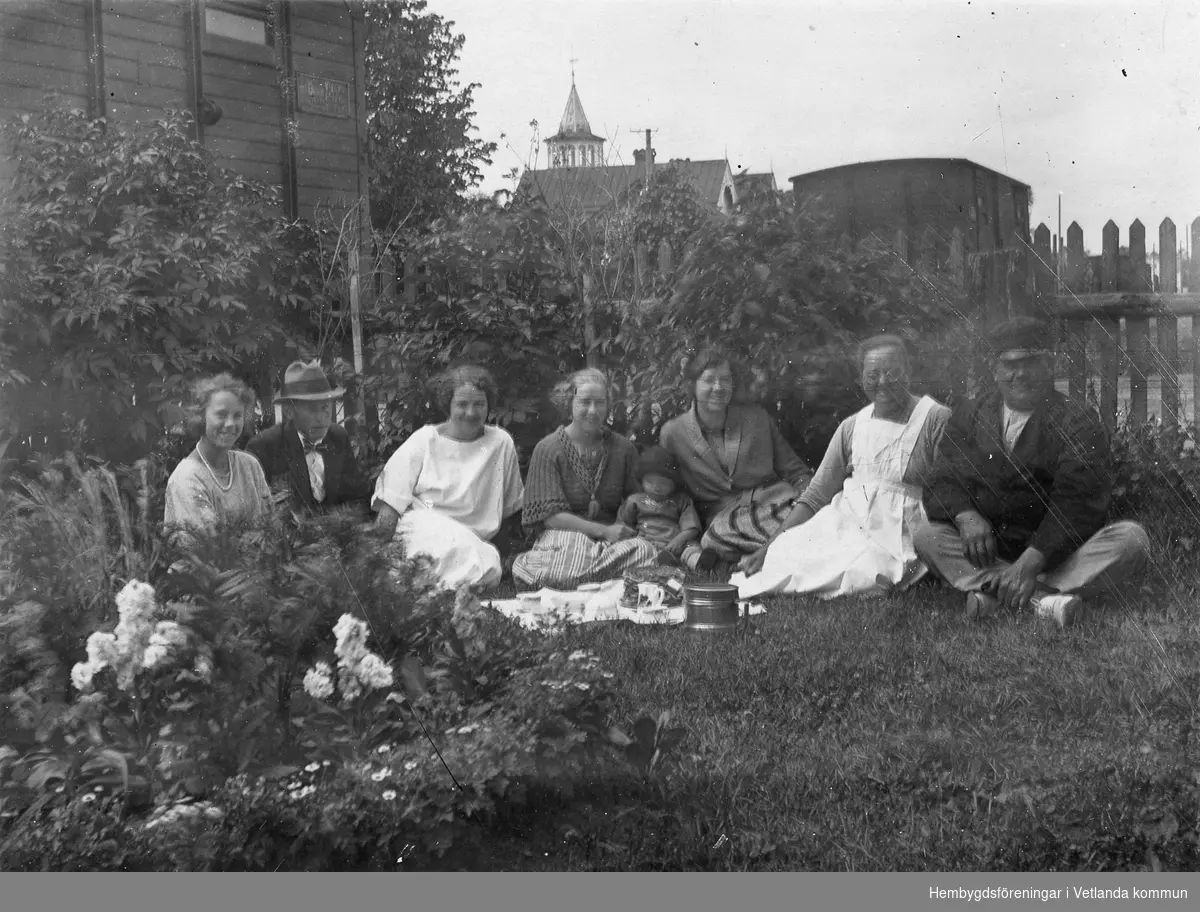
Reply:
x=744, y=528
x=566, y=560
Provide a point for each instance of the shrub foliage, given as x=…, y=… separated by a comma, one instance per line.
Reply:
x=132, y=263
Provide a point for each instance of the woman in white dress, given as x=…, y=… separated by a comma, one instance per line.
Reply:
x=851, y=529
x=448, y=488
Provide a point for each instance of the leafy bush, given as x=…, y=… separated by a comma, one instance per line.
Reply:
x=535, y=293
x=774, y=284
x=132, y=264
x=524, y=328
x=1156, y=481
x=201, y=706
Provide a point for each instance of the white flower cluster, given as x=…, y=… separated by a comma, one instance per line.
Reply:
x=184, y=812
x=298, y=791
x=318, y=681
x=167, y=637
x=136, y=643
x=359, y=669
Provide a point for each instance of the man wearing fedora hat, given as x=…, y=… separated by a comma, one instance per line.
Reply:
x=307, y=449
x=1020, y=489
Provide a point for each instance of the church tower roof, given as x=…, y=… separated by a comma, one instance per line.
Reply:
x=574, y=123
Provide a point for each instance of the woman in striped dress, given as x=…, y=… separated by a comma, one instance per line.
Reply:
x=578, y=477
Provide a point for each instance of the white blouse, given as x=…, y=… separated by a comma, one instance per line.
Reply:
x=475, y=482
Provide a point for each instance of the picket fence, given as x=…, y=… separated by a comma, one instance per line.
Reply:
x=1119, y=320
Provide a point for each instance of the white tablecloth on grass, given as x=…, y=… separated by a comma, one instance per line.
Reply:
x=584, y=606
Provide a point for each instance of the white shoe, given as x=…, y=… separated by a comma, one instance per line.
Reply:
x=981, y=605
x=1061, y=607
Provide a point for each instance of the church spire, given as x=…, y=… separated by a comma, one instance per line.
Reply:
x=574, y=122
x=575, y=145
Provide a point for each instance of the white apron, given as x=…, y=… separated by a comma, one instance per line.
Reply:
x=862, y=541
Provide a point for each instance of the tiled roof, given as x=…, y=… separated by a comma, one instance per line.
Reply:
x=706, y=176
x=590, y=188
x=596, y=188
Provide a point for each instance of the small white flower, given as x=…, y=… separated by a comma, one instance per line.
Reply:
x=607, y=674
x=582, y=686
x=81, y=676
x=389, y=795
x=379, y=776
x=374, y=672
x=351, y=634
x=136, y=600
x=318, y=682
x=88, y=798
x=410, y=766
x=383, y=748
x=326, y=763
x=312, y=767
x=102, y=650
x=155, y=654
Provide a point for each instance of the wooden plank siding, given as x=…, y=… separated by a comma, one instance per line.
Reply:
x=317, y=15
x=43, y=48
x=155, y=54
x=327, y=152
x=144, y=66
x=247, y=89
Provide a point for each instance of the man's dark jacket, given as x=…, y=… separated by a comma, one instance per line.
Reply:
x=281, y=453
x=1051, y=493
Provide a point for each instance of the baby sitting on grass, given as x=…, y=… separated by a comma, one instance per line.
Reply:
x=664, y=515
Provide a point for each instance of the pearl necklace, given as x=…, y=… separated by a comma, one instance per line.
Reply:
x=217, y=481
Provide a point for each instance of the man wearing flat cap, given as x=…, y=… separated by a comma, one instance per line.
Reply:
x=307, y=450
x=1019, y=494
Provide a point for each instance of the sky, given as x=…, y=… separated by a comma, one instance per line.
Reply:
x=1097, y=101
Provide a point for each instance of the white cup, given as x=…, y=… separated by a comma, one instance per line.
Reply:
x=650, y=596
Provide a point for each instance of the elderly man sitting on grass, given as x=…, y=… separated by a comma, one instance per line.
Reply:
x=1019, y=495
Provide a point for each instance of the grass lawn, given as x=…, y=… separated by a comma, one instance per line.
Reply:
x=893, y=734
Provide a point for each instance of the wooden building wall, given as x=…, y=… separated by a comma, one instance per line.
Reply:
x=43, y=47
x=925, y=198
x=293, y=110
x=949, y=216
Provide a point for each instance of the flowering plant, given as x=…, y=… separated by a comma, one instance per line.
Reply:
x=137, y=643
x=361, y=676
x=138, y=687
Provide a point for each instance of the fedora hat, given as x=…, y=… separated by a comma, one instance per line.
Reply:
x=306, y=382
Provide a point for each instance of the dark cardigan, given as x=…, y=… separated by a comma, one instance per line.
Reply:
x=1052, y=493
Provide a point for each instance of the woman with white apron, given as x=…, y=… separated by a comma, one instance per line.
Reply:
x=851, y=530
